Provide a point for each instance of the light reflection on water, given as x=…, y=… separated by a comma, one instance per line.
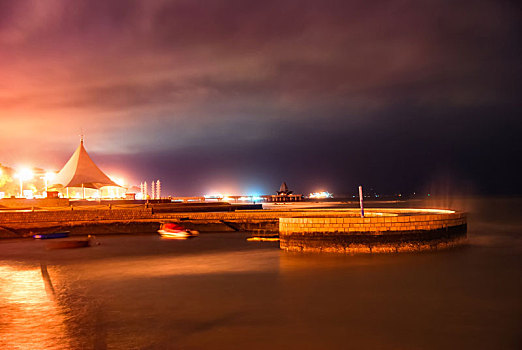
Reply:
x=197, y=264
x=30, y=317
x=72, y=303
x=219, y=291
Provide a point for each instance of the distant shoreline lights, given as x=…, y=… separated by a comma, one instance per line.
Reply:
x=320, y=195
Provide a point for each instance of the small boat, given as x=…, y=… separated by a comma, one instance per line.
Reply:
x=173, y=230
x=52, y=235
x=69, y=244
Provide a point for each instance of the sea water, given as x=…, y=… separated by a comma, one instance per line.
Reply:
x=218, y=291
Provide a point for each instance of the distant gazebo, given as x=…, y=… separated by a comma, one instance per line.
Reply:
x=80, y=171
x=283, y=195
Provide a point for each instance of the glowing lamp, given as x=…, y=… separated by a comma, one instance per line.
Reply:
x=49, y=176
x=321, y=195
x=23, y=174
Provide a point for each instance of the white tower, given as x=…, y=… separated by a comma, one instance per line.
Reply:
x=158, y=189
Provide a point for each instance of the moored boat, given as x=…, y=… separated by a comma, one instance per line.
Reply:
x=61, y=234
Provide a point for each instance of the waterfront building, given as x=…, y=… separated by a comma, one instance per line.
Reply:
x=283, y=195
x=81, y=173
x=283, y=190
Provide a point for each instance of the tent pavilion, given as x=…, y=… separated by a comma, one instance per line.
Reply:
x=80, y=171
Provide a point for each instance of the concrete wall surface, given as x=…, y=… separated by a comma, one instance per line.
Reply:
x=37, y=203
x=371, y=225
x=386, y=231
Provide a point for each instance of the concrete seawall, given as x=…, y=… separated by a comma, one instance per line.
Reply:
x=99, y=221
x=24, y=223
x=380, y=231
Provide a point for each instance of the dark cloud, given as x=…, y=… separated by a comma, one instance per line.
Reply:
x=338, y=92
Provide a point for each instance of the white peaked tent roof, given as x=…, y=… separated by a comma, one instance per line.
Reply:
x=80, y=171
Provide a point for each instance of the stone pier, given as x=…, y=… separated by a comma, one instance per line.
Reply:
x=380, y=231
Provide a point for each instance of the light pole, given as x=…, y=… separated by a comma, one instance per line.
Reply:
x=361, y=201
x=49, y=176
x=24, y=174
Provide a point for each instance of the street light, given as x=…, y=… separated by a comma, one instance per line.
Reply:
x=23, y=174
x=49, y=176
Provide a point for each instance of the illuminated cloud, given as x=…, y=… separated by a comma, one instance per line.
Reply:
x=149, y=81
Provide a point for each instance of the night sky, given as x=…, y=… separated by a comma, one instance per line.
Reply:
x=238, y=96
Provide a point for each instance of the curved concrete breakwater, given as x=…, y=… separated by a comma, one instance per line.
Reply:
x=380, y=231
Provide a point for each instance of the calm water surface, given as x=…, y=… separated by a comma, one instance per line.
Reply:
x=220, y=291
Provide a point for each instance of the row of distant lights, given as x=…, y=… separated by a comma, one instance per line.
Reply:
x=225, y=197
x=26, y=174
x=320, y=195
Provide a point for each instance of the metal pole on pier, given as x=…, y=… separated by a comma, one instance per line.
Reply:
x=361, y=201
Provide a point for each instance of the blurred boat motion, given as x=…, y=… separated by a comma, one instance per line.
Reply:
x=174, y=230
